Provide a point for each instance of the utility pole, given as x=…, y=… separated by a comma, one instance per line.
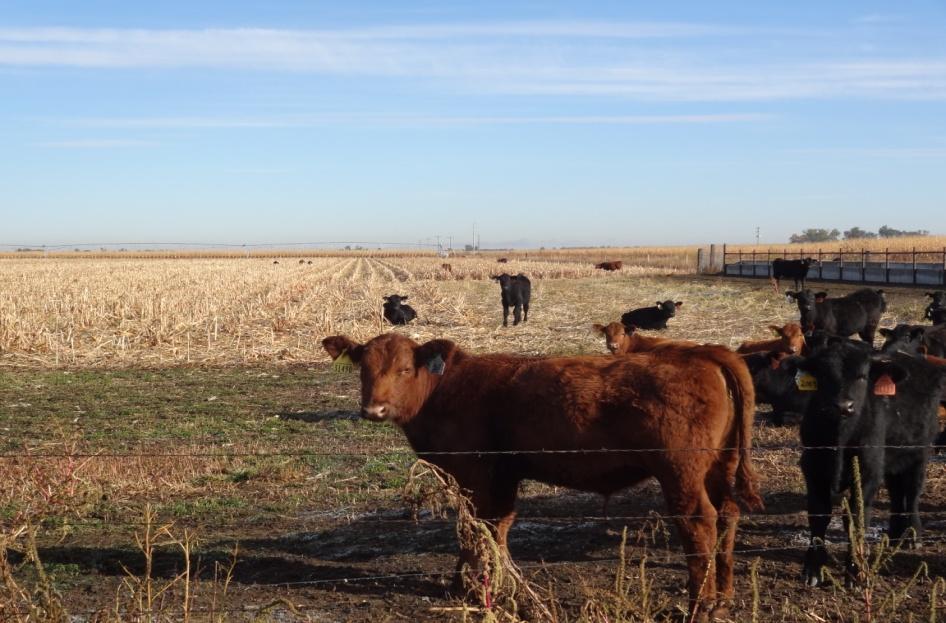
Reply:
x=757, y=236
x=474, y=237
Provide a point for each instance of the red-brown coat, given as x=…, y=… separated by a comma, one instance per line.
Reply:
x=447, y=267
x=500, y=414
x=609, y=266
x=791, y=339
x=620, y=341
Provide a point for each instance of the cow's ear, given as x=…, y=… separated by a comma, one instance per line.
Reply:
x=917, y=333
x=659, y=303
x=789, y=294
x=678, y=304
x=429, y=352
x=335, y=345
x=599, y=328
x=777, y=330
x=885, y=331
x=820, y=296
x=403, y=298
x=932, y=295
x=881, y=367
x=630, y=328
x=494, y=277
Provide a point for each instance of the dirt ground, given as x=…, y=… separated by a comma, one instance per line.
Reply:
x=270, y=466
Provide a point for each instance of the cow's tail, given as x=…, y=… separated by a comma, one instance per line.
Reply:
x=739, y=384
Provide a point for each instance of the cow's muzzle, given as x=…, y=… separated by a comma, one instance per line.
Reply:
x=376, y=412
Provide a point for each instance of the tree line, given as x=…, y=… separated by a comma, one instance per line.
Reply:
x=855, y=233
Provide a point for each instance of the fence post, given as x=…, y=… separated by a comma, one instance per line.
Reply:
x=724, y=258
x=699, y=261
x=914, y=265
x=943, y=275
x=753, y=262
x=863, y=264
x=820, y=264
x=841, y=265
x=740, y=263
x=887, y=265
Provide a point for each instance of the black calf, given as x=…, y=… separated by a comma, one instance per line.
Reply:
x=515, y=290
x=863, y=404
x=655, y=317
x=397, y=312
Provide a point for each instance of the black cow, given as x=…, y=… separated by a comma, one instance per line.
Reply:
x=903, y=338
x=396, y=311
x=937, y=304
x=858, y=312
x=655, y=317
x=791, y=269
x=773, y=376
x=862, y=402
x=516, y=290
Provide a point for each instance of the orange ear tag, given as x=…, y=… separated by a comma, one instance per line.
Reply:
x=343, y=364
x=884, y=386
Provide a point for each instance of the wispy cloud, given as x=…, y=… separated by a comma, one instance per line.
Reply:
x=95, y=144
x=525, y=58
x=406, y=120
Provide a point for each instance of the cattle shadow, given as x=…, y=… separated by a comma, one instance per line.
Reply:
x=318, y=416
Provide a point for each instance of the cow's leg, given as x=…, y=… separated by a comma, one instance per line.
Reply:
x=905, y=489
x=818, y=487
x=493, y=502
x=696, y=523
x=525, y=310
x=516, y=314
x=720, y=492
x=898, y=509
x=505, y=315
x=867, y=333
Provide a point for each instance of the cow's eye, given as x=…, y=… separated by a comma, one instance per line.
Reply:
x=406, y=370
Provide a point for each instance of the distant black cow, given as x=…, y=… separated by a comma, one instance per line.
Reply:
x=503, y=260
x=936, y=310
x=903, y=338
x=863, y=402
x=915, y=339
x=655, y=317
x=516, y=290
x=791, y=269
x=396, y=311
x=774, y=379
x=859, y=312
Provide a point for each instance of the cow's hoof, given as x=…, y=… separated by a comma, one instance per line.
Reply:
x=719, y=613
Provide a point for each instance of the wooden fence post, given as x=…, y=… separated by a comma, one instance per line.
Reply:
x=914, y=265
x=887, y=265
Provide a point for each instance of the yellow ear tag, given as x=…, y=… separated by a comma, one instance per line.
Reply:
x=806, y=382
x=343, y=364
x=884, y=386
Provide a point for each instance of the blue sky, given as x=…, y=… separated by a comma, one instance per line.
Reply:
x=545, y=123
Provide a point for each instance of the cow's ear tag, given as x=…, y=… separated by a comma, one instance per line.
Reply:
x=343, y=364
x=437, y=365
x=884, y=386
x=806, y=382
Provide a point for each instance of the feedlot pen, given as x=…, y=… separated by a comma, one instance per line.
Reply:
x=920, y=268
x=253, y=490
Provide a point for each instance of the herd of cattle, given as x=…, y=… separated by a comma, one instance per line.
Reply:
x=677, y=411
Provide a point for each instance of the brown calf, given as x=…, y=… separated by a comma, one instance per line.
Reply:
x=609, y=266
x=621, y=341
x=791, y=339
x=447, y=267
x=502, y=260
x=492, y=420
